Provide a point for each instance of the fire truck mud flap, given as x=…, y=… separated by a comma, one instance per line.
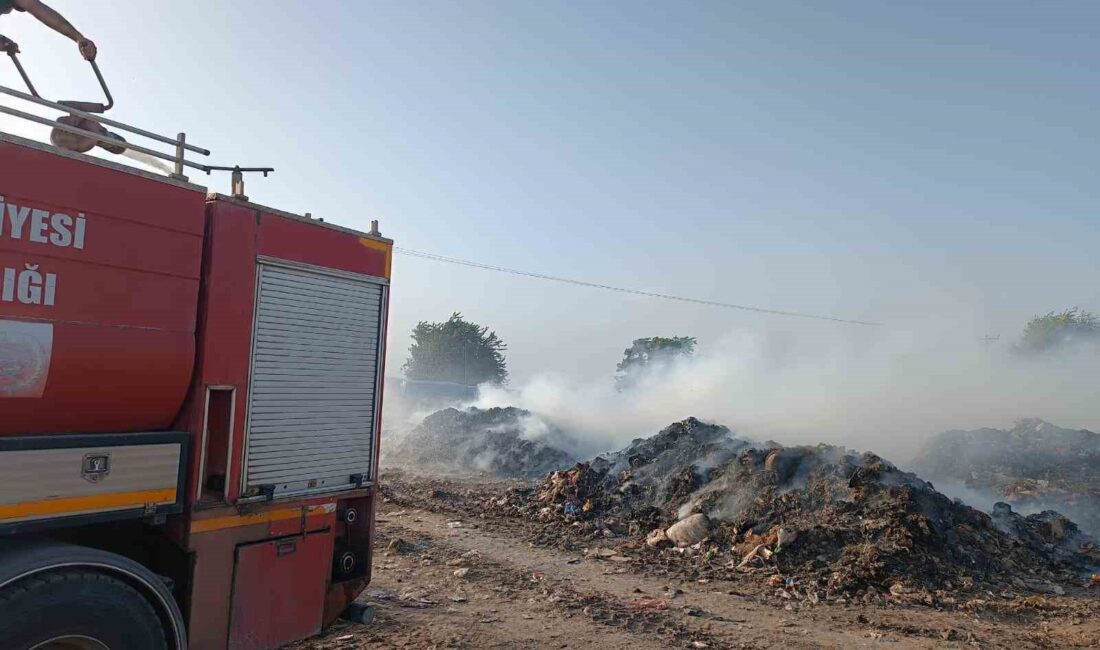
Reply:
x=23, y=559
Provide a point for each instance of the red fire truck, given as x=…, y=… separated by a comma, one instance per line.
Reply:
x=190, y=399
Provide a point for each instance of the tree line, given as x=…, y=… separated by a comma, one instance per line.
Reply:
x=462, y=352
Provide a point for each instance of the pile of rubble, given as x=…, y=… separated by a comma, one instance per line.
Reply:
x=492, y=441
x=1034, y=466
x=827, y=519
x=647, y=477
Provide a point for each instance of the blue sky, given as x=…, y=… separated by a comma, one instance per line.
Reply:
x=880, y=161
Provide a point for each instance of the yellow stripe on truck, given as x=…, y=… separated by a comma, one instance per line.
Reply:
x=86, y=504
x=233, y=521
x=382, y=247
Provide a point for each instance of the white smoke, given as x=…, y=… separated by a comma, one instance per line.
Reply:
x=886, y=392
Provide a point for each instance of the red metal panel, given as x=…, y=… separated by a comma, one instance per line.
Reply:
x=309, y=523
x=107, y=296
x=279, y=591
x=106, y=379
x=236, y=235
x=101, y=335
x=225, y=321
x=97, y=190
x=211, y=585
x=218, y=532
x=230, y=288
x=299, y=241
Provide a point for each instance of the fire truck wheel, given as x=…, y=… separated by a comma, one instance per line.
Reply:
x=77, y=610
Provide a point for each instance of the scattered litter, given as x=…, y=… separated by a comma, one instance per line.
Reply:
x=688, y=531
x=751, y=555
x=786, y=537
x=400, y=546
x=656, y=604
x=411, y=599
x=657, y=539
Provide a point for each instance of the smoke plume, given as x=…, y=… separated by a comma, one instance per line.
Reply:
x=887, y=393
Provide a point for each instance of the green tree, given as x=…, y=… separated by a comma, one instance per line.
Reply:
x=1055, y=330
x=648, y=352
x=456, y=350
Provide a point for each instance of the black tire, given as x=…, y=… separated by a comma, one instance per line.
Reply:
x=78, y=603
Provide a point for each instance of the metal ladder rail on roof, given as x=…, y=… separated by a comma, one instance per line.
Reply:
x=91, y=111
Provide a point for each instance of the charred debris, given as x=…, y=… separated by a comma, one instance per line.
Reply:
x=498, y=442
x=816, y=522
x=1034, y=466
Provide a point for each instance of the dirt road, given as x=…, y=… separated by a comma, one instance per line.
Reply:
x=448, y=576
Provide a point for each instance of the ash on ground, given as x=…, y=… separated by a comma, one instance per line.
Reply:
x=816, y=521
x=497, y=441
x=1034, y=466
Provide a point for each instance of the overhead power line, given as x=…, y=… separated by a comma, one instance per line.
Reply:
x=636, y=292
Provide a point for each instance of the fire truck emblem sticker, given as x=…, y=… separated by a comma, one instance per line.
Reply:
x=96, y=467
x=25, y=350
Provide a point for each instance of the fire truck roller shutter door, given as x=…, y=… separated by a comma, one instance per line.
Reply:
x=316, y=350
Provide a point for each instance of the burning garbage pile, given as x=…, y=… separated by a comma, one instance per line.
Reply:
x=827, y=519
x=646, y=479
x=497, y=441
x=1034, y=466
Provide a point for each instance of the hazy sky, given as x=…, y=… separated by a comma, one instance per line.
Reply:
x=915, y=164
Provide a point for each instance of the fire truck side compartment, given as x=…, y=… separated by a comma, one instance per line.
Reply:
x=244, y=243
x=279, y=590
